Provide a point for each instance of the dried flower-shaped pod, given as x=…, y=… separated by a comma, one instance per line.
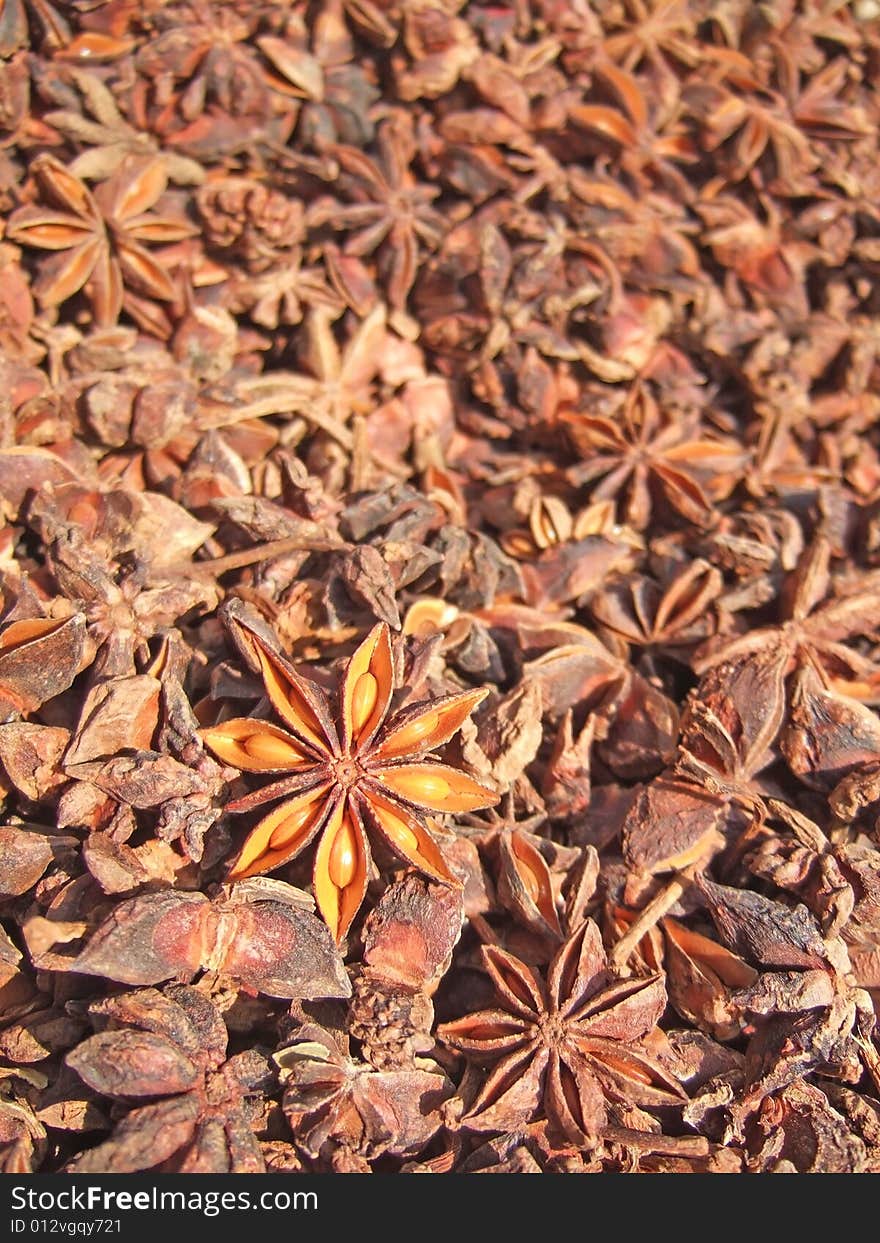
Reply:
x=645, y=454
x=100, y=236
x=642, y=612
x=431, y=325
x=827, y=1038
x=365, y=773
x=274, y=947
x=337, y=1106
x=391, y=211
x=565, y=1049
x=811, y=632
x=171, y=1050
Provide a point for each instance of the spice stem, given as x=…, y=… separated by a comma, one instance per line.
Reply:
x=652, y=914
x=671, y=1145
x=262, y=552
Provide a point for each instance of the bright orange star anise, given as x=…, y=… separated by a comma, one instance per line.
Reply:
x=367, y=773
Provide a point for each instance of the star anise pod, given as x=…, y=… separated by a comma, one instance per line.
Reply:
x=567, y=1048
x=342, y=778
x=170, y=1051
x=391, y=212
x=106, y=137
x=652, y=141
x=752, y=126
x=645, y=613
x=658, y=33
x=341, y=383
x=346, y=1112
x=812, y=633
x=645, y=454
x=100, y=236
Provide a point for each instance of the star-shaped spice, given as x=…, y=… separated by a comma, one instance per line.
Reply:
x=342, y=779
x=566, y=1048
x=170, y=1050
x=101, y=238
x=645, y=453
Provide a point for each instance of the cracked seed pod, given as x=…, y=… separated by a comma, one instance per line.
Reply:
x=392, y=1023
x=249, y=220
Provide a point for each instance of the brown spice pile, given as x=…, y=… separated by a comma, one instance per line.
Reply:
x=464, y=415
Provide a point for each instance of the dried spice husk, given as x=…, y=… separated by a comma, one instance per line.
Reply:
x=278, y=947
x=566, y=1050
x=342, y=1111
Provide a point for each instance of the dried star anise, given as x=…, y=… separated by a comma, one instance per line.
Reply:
x=812, y=633
x=644, y=454
x=547, y=334
x=171, y=1051
x=366, y=773
x=100, y=236
x=568, y=1048
x=390, y=210
x=346, y=1111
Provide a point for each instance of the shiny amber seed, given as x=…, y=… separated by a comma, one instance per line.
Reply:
x=342, y=864
x=530, y=882
x=271, y=750
x=290, y=827
x=411, y=736
x=364, y=700
x=398, y=830
x=421, y=785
